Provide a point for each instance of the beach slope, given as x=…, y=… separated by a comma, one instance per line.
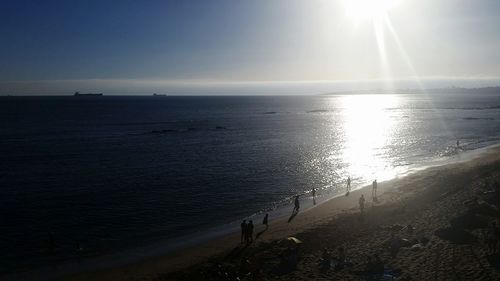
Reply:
x=449, y=209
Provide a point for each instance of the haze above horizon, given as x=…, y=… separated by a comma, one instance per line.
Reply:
x=242, y=47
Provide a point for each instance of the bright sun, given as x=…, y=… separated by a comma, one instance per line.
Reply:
x=361, y=10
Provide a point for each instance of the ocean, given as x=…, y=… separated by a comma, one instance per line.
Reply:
x=97, y=175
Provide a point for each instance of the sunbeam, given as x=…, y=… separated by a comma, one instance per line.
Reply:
x=378, y=27
x=415, y=75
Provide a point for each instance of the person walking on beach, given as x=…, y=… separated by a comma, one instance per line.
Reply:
x=362, y=203
x=491, y=238
x=314, y=195
x=374, y=191
x=348, y=186
x=243, y=231
x=264, y=221
x=297, y=204
x=249, y=229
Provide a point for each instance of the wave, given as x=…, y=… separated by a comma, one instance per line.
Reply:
x=189, y=129
x=142, y=123
x=444, y=108
x=471, y=108
x=478, y=118
x=319, y=111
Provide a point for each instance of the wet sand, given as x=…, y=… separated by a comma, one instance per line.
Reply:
x=428, y=200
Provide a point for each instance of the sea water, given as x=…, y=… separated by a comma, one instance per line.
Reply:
x=102, y=174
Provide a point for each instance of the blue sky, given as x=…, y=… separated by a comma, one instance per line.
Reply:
x=57, y=46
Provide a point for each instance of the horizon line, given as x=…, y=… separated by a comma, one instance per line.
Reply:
x=375, y=91
x=214, y=87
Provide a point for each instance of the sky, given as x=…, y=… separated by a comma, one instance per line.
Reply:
x=257, y=46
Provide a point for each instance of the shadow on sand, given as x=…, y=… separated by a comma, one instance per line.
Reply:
x=294, y=214
x=260, y=233
x=237, y=251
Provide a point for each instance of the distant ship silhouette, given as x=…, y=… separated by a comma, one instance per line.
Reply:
x=78, y=94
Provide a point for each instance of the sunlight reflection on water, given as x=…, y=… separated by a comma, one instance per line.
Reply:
x=368, y=131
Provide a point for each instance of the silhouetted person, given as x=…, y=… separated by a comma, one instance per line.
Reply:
x=243, y=231
x=289, y=258
x=249, y=232
x=378, y=265
x=314, y=195
x=362, y=203
x=348, y=185
x=341, y=259
x=369, y=266
x=409, y=229
x=491, y=238
x=374, y=191
x=458, y=143
x=297, y=204
x=264, y=221
x=342, y=256
x=394, y=245
x=326, y=259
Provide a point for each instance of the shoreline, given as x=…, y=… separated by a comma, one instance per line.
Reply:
x=320, y=214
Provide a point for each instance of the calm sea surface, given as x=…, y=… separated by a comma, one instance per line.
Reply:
x=108, y=173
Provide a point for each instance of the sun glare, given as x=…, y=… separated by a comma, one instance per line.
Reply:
x=362, y=10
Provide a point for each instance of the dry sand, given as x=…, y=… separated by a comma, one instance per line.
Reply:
x=428, y=200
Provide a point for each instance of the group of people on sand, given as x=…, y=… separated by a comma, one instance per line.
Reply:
x=374, y=267
x=348, y=190
x=313, y=193
x=247, y=229
x=338, y=262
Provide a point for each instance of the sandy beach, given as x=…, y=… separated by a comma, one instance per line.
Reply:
x=430, y=201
